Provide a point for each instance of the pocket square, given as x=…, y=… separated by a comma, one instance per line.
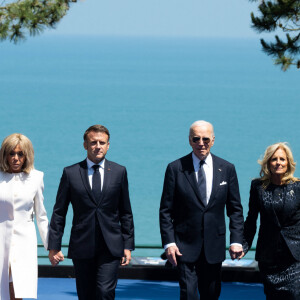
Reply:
x=223, y=183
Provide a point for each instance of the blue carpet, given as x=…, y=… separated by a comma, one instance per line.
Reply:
x=65, y=289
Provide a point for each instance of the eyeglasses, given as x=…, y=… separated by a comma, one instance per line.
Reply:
x=13, y=153
x=205, y=140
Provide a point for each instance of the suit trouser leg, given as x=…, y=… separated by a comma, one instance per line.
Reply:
x=106, y=277
x=96, y=278
x=85, y=273
x=201, y=276
x=209, y=278
x=187, y=281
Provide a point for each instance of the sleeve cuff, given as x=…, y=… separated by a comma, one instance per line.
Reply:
x=169, y=245
x=236, y=244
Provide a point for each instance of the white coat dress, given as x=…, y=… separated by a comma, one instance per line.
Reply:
x=21, y=197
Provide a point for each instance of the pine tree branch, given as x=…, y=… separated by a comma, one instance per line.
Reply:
x=284, y=15
x=30, y=17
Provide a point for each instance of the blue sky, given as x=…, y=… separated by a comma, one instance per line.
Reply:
x=174, y=18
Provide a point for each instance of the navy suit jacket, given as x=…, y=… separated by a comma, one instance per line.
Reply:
x=113, y=212
x=186, y=221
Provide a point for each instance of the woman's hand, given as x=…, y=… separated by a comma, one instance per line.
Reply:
x=55, y=256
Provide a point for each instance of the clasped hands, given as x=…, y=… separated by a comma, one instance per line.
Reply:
x=55, y=256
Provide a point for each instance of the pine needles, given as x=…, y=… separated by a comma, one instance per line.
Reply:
x=283, y=15
x=31, y=17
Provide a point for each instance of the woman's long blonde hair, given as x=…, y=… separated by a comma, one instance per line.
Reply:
x=265, y=173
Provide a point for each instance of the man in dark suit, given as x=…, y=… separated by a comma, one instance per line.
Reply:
x=197, y=188
x=102, y=234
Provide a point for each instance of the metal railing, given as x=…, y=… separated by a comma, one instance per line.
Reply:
x=65, y=247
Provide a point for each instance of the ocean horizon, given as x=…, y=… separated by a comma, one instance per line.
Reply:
x=147, y=92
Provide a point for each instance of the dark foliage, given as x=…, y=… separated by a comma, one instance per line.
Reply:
x=22, y=17
x=285, y=16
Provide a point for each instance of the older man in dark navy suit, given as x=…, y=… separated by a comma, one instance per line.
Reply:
x=197, y=188
x=102, y=234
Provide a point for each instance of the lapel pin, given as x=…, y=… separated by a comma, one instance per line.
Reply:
x=220, y=170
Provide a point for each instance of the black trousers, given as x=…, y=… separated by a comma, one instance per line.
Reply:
x=96, y=278
x=199, y=276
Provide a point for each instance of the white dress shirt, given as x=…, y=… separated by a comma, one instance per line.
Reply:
x=91, y=171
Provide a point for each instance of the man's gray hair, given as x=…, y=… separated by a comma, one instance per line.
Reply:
x=201, y=123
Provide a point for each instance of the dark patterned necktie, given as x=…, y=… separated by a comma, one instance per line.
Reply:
x=202, y=182
x=96, y=183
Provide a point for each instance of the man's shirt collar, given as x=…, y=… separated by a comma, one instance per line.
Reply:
x=90, y=163
x=196, y=161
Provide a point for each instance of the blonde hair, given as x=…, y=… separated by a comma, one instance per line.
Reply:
x=265, y=173
x=9, y=144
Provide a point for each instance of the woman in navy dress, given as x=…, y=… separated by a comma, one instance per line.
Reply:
x=276, y=197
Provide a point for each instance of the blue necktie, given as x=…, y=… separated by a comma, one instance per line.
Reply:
x=96, y=183
x=202, y=182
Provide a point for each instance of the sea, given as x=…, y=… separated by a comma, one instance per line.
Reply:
x=147, y=92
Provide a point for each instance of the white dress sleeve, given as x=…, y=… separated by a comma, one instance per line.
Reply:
x=40, y=212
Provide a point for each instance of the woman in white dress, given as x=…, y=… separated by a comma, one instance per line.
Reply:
x=21, y=197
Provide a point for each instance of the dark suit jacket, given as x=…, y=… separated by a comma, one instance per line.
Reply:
x=113, y=212
x=185, y=220
x=272, y=230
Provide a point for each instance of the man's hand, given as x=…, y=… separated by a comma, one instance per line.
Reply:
x=125, y=260
x=55, y=256
x=171, y=253
x=236, y=252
